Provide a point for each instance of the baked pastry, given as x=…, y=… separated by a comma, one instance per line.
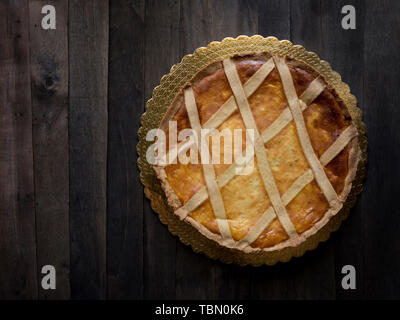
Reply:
x=304, y=158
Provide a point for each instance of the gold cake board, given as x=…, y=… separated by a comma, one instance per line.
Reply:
x=162, y=98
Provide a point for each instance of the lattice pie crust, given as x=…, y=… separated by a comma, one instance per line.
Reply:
x=305, y=148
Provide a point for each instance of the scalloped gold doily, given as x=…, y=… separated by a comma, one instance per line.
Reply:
x=162, y=98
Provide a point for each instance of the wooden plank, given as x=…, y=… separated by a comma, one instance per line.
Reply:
x=18, y=277
x=312, y=276
x=344, y=51
x=379, y=201
x=274, y=18
x=49, y=76
x=124, y=190
x=88, y=61
x=201, y=23
x=298, y=279
x=317, y=278
x=198, y=282
x=273, y=282
x=305, y=25
x=161, y=52
x=205, y=21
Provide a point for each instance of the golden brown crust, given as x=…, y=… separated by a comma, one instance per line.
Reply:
x=327, y=114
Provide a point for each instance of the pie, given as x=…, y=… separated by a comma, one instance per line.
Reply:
x=303, y=161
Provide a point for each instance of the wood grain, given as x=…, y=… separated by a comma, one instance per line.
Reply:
x=70, y=106
x=49, y=78
x=217, y=19
x=275, y=282
x=306, y=21
x=274, y=18
x=88, y=70
x=18, y=279
x=124, y=190
x=195, y=31
x=341, y=46
x=381, y=99
x=161, y=52
x=232, y=18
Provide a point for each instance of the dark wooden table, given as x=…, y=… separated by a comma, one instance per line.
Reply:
x=70, y=106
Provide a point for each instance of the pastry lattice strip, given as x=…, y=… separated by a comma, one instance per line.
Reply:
x=230, y=106
x=208, y=169
x=340, y=143
x=294, y=105
x=309, y=95
x=313, y=90
x=225, y=111
x=260, y=150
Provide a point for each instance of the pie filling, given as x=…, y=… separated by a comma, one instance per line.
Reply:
x=246, y=198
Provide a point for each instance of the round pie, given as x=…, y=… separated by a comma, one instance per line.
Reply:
x=295, y=171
